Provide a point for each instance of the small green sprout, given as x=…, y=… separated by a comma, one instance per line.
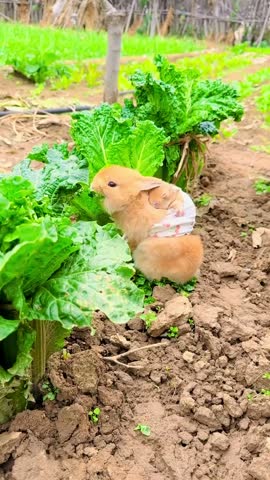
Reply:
x=243, y=234
x=51, y=391
x=191, y=322
x=203, y=200
x=250, y=396
x=94, y=415
x=262, y=186
x=265, y=392
x=66, y=354
x=144, y=429
x=173, y=332
x=266, y=375
x=261, y=148
x=148, y=318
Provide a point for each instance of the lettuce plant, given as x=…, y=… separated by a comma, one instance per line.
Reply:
x=164, y=130
x=54, y=274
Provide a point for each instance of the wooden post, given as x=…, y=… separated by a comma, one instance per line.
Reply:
x=154, y=20
x=115, y=22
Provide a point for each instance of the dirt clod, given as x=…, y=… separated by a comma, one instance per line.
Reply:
x=220, y=441
x=205, y=416
x=260, y=467
x=163, y=294
x=73, y=425
x=8, y=442
x=176, y=313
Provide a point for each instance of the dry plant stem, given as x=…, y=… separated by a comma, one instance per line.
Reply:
x=179, y=168
x=115, y=358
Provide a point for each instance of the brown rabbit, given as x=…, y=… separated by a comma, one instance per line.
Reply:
x=125, y=192
x=166, y=196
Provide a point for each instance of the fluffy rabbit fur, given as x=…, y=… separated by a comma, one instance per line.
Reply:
x=166, y=196
x=125, y=193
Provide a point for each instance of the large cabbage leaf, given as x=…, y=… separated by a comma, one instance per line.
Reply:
x=103, y=137
x=97, y=277
x=179, y=102
x=41, y=247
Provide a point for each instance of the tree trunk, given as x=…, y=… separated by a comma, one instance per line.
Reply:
x=252, y=23
x=132, y=8
x=115, y=21
x=154, y=21
x=264, y=27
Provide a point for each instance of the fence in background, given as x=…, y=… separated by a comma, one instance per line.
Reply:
x=228, y=20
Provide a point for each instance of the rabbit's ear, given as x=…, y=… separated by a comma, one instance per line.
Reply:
x=148, y=183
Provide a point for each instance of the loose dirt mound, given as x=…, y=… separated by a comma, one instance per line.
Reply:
x=194, y=392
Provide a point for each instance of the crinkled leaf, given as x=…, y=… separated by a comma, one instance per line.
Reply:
x=73, y=299
x=179, y=102
x=13, y=396
x=7, y=327
x=147, y=152
x=25, y=340
x=15, y=380
x=91, y=280
x=41, y=249
x=104, y=138
x=95, y=133
x=16, y=205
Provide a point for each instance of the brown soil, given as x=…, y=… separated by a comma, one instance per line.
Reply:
x=192, y=392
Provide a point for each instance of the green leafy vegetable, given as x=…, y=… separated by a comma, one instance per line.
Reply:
x=91, y=280
x=166, y=126
x=103, y=138
x=53, y=276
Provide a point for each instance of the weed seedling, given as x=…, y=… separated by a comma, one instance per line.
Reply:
x=266, y=375
x=262, y=186
x=148, y=318
x=243, y=234
x=250, y=396
x=94, y=415
x=51, y=391
x=66, y=354
x=173, y=332
x=261, y=148
x=191, y=323
x=265, y=392
x=144, y=429
x=203, y=200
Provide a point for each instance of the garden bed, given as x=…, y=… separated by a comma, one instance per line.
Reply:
x=200, y=393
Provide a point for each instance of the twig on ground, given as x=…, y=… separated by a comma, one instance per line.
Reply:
x=115, y=358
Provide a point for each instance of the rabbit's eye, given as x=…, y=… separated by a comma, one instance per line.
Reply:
x=112, y=184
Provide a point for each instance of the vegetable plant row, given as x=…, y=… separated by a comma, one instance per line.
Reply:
x=60, y=258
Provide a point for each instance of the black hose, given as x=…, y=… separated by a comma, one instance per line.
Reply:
x=77, y=108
